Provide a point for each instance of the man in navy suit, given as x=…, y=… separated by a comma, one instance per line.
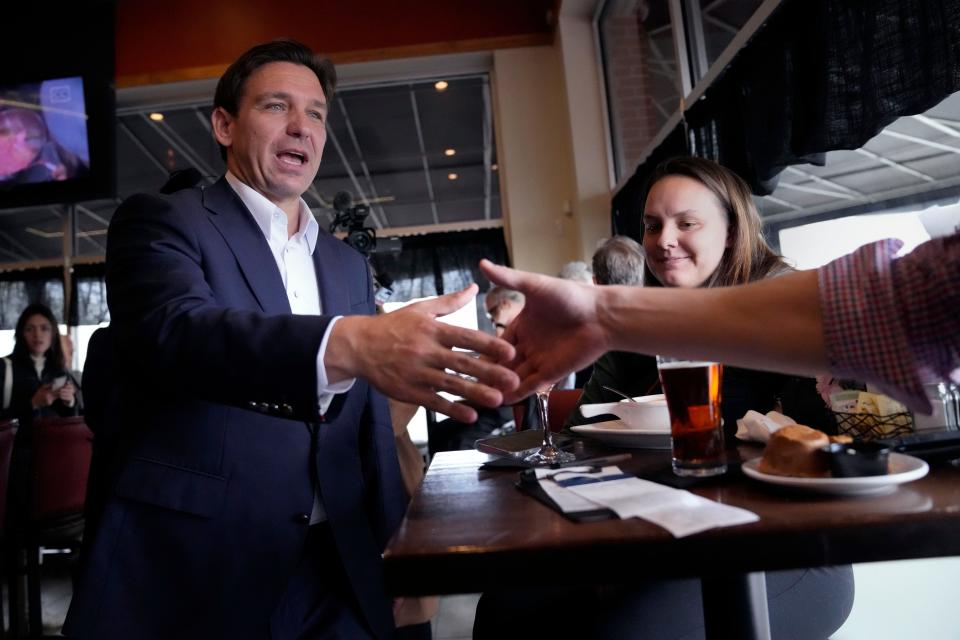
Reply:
x=256, y=482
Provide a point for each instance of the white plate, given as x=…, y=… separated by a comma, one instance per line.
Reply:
x=618, y=434
x=902, y=468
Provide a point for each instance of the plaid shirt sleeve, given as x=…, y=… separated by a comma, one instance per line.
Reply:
x=894, y=321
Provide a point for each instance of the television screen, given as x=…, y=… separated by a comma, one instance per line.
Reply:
x=57, y=123
x=43, y=132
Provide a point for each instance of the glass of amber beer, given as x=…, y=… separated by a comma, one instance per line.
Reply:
x=692, y=389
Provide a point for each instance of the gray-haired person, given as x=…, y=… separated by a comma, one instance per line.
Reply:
x=619, y=260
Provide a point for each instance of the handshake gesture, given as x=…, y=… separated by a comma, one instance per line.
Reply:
x=408, y=354
x=566, y=325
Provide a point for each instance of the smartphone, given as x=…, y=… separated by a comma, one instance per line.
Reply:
x=519, y=444
x=58, y=383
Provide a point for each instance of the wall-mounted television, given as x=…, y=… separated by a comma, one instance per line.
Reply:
x=57, y=109
x=43, y=132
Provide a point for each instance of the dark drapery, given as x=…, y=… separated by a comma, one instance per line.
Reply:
x=441, y=263
x=825, y=75
x=19, y=289
x=820, y=75
x=88, y=299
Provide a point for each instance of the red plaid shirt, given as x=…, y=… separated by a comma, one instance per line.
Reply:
x=894, y=321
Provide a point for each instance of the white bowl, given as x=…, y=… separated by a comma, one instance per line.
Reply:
x=646, y=412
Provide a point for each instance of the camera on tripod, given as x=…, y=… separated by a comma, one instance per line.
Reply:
x=350, y=217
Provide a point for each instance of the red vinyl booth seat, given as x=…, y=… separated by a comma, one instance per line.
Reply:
x=61, y=463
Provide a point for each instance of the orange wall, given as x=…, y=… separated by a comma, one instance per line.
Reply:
x=165, y=40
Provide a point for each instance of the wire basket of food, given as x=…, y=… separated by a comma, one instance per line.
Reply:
x=868, y=426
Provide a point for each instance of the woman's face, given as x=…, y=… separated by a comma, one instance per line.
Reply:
x=685, y=232
x=38, y=334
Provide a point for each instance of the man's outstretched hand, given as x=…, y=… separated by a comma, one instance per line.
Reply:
x=557, y=332
x=406, y=354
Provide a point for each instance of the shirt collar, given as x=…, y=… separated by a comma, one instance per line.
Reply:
x=262, y=211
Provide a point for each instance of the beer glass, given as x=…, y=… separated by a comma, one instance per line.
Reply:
x=692, y=389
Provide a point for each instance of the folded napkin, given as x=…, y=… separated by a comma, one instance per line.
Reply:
x=680, y=512
x=758, y=427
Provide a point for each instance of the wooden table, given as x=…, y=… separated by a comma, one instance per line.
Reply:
x=468, y=530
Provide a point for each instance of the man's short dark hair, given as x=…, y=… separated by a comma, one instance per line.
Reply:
x=230, y=88
x=619, y=261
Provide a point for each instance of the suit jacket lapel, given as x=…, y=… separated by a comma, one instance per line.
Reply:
x=331, y=275
x=248, y=245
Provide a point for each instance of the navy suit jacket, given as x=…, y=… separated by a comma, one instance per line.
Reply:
x=221, y=445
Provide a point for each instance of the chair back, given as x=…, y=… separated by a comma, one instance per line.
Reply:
x=62, y=448
x=560, y=405
x=8, y=430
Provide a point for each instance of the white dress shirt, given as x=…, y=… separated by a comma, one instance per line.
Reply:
x=294, y=258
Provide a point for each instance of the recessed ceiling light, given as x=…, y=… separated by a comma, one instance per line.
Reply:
x=494, y=166
x=449, y=152
x=441, y=85
x=452, y=176
x=156, y=117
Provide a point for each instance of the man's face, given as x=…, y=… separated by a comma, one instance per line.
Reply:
x=275, y=140
x=502, y=314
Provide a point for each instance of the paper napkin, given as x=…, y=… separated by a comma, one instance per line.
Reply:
x=680, y=512
x=758, y=427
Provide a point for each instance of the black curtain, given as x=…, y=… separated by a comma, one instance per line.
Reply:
x=89, y=300
x=21, y=288
x=440, y=263
x=820, y=75
x=825, y=75
x=18, y=289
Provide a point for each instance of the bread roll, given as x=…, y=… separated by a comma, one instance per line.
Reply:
x=794, y=450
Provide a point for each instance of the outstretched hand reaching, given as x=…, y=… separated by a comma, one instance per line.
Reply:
x=556, y=333
x=408, y=355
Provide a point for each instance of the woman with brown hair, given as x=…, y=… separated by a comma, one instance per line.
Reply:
x=35, y=373
x=702, y=229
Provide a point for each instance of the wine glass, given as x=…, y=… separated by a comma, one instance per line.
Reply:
x=548, y=452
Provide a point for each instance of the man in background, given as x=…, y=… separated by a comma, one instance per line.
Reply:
x=503, y=305
x=619, y=260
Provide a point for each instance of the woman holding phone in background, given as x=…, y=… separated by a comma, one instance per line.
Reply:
x=34, y=384
x=34, y=376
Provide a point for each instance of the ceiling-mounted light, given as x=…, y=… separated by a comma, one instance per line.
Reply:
x=450, y=152
x=156, y=116
x=494, y=166
x=452, y=176
x=441, y=85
